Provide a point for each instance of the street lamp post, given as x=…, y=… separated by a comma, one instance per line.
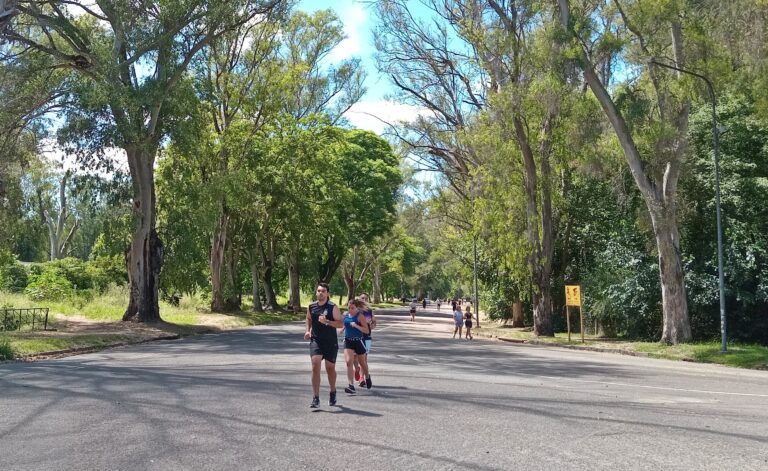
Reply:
x=716, y=145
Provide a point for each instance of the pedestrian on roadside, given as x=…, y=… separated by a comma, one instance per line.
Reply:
x=323, y=318
x=367, y=340
x=413, y=310
x=355, y=326
x=438, y=304
x=424, y=303
x=468, y=323
x=458, y=321
x=453, y=304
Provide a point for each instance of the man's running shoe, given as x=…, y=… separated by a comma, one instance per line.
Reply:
x=350, y=389
x=368, y=382
x=315, y=403
x=332, y=400
x=361, y=383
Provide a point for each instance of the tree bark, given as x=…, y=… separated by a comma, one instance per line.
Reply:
x=517, y=314
x=269, y=290
x=255, y=283
x=58, y=242
x=218, y=244
x=267, y=263
x=145, y=254
x=538, y=261
x=232, y=302
x=676, y=327
x=294, y=298
x=377, y=282
x=332, y=261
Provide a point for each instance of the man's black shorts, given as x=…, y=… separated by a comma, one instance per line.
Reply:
x=328, y=350
x=355, y=344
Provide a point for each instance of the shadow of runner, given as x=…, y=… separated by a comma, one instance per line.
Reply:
x=346, y=410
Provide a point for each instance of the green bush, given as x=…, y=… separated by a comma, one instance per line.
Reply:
x=6, y=258
x=6, y=350
x=50, y=285
x=13, y=278
x=74, y=270
x=105, y=270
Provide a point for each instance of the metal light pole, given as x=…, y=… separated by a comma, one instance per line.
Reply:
x=716, y=145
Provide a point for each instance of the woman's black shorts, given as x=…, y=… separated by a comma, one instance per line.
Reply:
x=355, y=344
x=468, y=324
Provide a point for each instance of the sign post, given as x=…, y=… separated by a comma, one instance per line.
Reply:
x=573, y=298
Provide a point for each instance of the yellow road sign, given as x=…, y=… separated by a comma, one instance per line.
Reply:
x=573, y=295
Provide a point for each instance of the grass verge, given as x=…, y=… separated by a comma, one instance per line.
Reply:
x=739, y=355
x=28, y=344
x=97, y=323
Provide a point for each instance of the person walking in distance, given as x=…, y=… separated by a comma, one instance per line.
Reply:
x=468, y=323
x=367, y=340
x=413, y=310
x=323, y=318
x=424, y=303
x=458, y=321
x=355, y=326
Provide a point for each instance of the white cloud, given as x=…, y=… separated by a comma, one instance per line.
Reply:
x=374, y=115
x=354, y=17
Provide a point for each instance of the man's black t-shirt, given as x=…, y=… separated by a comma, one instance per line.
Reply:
x=321, y=332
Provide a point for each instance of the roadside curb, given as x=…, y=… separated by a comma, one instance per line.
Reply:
x=573, y=347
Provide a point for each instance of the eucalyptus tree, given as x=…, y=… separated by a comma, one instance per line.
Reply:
x=130, y=58
x=56, y=215
x=649, y=117
x=432, y=69
x=238, y=82
x=312, y=86
x=528, y=91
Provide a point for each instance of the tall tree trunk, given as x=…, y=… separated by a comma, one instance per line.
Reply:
x=333, y=257
x=377, y=282
x=218, y=244
x=517, y=314
x=145, y=254
x=269, y=290
x=537, y=260
x=232, y=302
x=350, y=267
x=255, y=283
x=294, y=298
x=58, y=242
x=268, y=263
x=677, y=328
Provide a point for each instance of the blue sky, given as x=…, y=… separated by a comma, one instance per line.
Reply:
x=359, y=21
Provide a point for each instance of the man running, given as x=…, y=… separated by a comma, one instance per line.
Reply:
x=323, y=318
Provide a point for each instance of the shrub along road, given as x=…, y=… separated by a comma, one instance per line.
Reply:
x=239, y=400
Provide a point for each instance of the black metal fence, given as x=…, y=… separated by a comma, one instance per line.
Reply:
x=15, y=319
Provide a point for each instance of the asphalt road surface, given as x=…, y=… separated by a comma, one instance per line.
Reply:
x=239, y=400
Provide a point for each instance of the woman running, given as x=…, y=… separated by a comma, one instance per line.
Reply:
x=468, y=323
x=355, y=326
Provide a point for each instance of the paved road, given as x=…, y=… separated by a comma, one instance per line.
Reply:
x=239, y=400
